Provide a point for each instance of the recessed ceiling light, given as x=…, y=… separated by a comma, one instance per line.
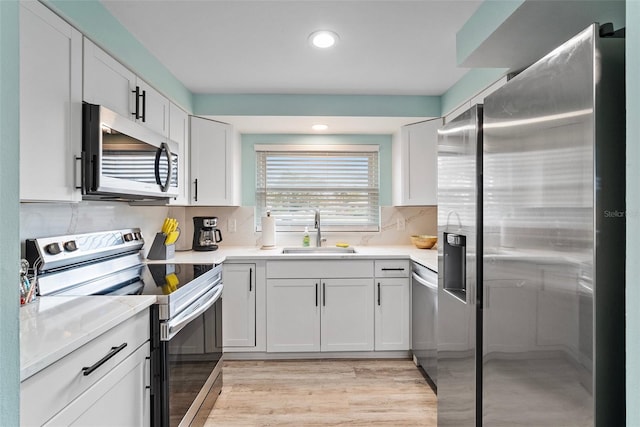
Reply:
x=319, y=127
x=323, y=39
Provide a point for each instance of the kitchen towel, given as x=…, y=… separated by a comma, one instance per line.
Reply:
x=268, y=231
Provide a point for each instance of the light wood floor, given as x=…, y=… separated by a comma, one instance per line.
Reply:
x=324, y=392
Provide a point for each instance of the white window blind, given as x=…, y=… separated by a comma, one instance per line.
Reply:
x=344, y=185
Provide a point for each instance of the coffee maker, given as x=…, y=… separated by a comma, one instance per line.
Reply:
x=205, y=233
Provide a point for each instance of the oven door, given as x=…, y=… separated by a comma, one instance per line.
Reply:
x=123, y=159
x=191, y=361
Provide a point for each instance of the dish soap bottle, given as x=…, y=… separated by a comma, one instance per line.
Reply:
x=305, y=238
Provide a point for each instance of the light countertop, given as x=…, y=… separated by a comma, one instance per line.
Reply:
x=426, y=257
x=52, y=327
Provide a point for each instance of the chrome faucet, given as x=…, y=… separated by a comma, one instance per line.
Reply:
x=317, y=227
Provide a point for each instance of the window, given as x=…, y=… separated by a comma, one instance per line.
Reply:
x=341, y=181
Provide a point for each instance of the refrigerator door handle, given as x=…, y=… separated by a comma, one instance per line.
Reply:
x=486, y=298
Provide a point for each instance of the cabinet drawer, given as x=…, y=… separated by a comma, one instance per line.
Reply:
x=49, y=391
x=393, y=268
x=319, y=269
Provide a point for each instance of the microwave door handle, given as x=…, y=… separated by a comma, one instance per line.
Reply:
x=164, y=147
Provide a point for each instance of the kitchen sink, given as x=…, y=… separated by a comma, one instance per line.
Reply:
x=317, y=250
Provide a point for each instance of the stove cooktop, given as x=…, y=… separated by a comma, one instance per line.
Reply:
x=165, y=279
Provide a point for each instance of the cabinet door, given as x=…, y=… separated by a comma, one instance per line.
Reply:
x=106, y=81
x=392, y=314
x=156, y=109
x=416, y=168
x=239, y=305
x=293, y=315
x=120, y=398
x=347, y=315
x=179, y=132
x=50, y=105
x=212, y=163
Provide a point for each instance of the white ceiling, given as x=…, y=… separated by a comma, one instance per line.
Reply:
x=394, y=47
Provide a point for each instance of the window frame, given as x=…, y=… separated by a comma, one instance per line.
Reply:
x=346, y=149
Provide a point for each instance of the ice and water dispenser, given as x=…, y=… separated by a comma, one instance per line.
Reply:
x=455, y=260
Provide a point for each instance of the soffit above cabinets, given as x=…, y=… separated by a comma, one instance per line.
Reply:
x=302, y=125
x=518, y=33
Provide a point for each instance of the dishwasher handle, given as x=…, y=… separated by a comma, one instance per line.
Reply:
x=424, y=282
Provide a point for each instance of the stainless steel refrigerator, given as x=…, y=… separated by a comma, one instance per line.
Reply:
x=534, y=333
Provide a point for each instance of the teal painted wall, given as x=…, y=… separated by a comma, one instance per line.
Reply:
x=633, y=212
x=249, y=157
x=9, y=220
x=92, y=19
x=469, y=85
x=317, y=105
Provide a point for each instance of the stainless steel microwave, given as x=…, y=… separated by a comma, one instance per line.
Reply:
x=123, y=160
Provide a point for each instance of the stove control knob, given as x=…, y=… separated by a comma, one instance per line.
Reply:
x=138, y=235
x=53, y=249
x=128, y=237
x=70, y=246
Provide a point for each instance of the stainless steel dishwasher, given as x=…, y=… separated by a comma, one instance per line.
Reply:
x=424, y=284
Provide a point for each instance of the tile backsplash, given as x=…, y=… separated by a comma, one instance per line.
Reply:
x=53, y=219
x=236, y=223
x=398, y=223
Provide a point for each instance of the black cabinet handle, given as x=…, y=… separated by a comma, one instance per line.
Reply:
x=114, y=350
x=324, y=294
x=316, y=294
x=195, y=197
x=378, y=293
x=392, y=269
x=250, y=278
x=137, y=95
x=144, y=106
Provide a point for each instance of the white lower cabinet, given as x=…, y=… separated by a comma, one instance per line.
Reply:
x=346, y=315
x=392, y=314
x=393, y=304
x=319, y=315
x=111, y=401
x=103, y=383
x=293, y=315
x=239, y=305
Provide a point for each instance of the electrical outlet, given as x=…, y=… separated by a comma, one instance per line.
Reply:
x=400, y=224
x=231, y=225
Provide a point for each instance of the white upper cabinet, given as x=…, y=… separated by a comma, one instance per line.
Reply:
x=50, y=105
x=415, y=164
x=106, y=81
x=109, y=83
x=215, y=163
x=179, y=132
x=155, y=109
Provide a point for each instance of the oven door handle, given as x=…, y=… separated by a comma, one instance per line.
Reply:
x=199, y=307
